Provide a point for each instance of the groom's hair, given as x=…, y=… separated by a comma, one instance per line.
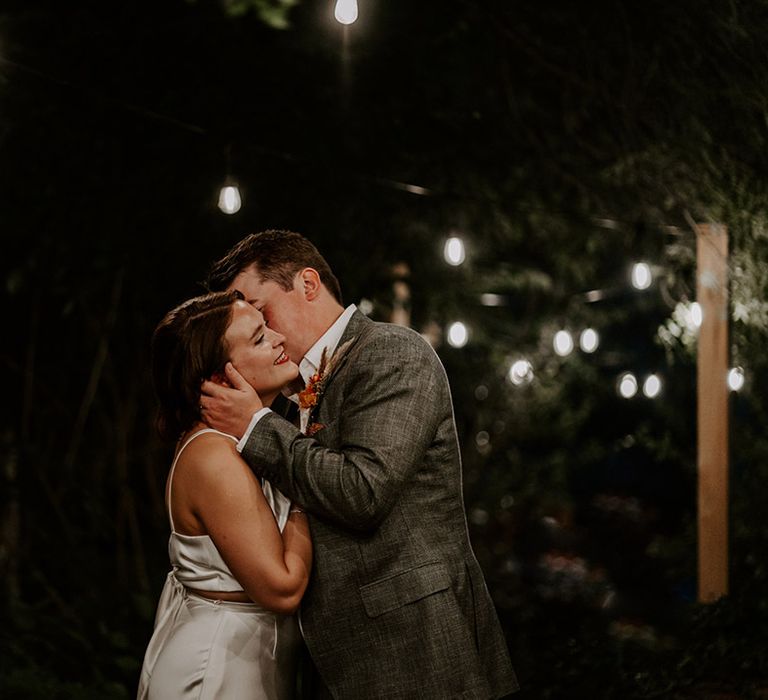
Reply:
x=277, y=256
x=188, y=346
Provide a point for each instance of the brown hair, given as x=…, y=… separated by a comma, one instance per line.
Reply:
x=188, y=346
x=277, y=256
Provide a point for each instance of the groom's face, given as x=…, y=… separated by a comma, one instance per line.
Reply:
x=285, y=312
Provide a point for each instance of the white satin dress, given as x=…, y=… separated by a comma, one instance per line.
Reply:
x=203, y=649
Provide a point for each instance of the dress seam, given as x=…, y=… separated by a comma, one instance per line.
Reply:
x=210, y=651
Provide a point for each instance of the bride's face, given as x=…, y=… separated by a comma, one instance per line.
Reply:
x=286, y=312
x=257, y=351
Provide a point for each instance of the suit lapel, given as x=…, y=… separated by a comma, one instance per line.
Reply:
x=359, y=326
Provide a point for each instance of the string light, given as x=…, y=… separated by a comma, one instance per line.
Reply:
x=589, y=340
x=652, y=386
x=453, y=251
x=492, y=300
x=345, y=11
x=688, y=316
x=229, y=199
x=735, y=378
x=365, y=306
x=482, y=438
x=641, y=275
x=697, y=316
x=627, y=385
x=458, y=335
x=563, y=343
x=521, y=372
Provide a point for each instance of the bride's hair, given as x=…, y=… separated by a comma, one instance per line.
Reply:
x=188, y=346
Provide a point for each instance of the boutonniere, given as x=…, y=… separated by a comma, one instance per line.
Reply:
x=309, y=397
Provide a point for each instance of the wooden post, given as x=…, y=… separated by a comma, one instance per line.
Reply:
x=712, y=410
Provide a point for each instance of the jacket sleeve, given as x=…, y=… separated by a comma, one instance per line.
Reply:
x=396, y=391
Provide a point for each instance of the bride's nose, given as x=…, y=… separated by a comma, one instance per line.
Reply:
x=277, y=338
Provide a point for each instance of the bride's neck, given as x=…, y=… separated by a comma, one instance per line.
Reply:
x=267, y=399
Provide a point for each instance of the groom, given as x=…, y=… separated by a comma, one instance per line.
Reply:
x=397, y=606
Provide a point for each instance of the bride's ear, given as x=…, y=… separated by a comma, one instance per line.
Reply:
x=310, y=283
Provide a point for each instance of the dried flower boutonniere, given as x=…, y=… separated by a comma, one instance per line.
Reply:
x=309, y=397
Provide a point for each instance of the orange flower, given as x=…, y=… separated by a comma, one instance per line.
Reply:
x=308, y=397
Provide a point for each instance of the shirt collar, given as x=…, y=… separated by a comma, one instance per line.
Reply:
x=328, y=341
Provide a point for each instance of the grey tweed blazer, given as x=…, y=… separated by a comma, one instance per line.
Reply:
x=397, y=606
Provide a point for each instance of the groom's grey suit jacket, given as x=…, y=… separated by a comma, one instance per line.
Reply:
x=397, y=606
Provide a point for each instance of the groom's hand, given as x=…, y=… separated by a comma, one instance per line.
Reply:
x=229, y=406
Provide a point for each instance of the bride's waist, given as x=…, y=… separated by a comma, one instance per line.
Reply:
x=226, y=596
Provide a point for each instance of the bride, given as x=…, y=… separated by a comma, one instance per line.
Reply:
x=241, y=554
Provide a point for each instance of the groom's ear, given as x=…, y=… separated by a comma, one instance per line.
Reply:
x=310, y=283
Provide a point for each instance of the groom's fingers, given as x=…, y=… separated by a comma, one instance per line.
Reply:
x=232, y=380
x=229, y=408
x=235, y=378
x=209, y=388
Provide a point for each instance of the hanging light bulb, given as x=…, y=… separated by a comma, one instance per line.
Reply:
x=563, y=343
x=521, y=372
x=641, y=275
x=627, y=385
x=458, y=335
x=229, y=199
x=652, y=386
x=735, y=378
x=589, y=340
x=696, y=314
x=688, y=316
x=345, y=11
x=453, y=251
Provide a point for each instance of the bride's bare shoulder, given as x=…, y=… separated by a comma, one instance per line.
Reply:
x=212, y=455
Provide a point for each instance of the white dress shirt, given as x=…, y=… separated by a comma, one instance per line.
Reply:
x=309, y=364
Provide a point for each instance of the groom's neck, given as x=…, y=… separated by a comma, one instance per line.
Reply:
x=325, y=314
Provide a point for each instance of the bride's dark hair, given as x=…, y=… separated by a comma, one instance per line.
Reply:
x=188, y=346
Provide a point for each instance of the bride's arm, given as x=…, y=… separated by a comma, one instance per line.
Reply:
x=228, y=499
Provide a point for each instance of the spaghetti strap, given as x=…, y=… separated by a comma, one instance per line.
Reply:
x=176, y=459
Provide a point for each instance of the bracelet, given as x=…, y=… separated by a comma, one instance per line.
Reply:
x=295, y=509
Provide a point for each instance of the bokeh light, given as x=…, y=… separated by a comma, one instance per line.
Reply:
x=563, y=343
x=697, y=315
x=521, y=372
x=453, y=251
x=735, y=378
x=652, y=386
x=229, y=199
x=627, y=385
x=458, y=335
x=641, y=275
x=589, y=340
